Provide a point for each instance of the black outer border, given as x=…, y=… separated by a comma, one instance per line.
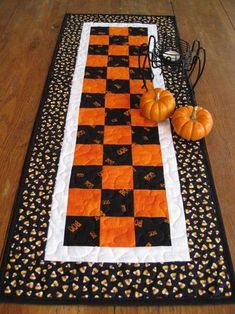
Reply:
x=14, y=215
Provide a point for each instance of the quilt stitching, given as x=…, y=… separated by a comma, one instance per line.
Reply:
x=27, y=277
x=122, y=146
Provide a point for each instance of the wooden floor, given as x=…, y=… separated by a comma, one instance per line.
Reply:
x=28, y=32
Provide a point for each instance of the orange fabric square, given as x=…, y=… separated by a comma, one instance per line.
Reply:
x=118, y=50
x=138, y=120
x=117, y=177
x=150, y=203
x=84, y=202
x=138, y=40
x=117, y=231
x=118, y=134
x=136, y=86
x=118, y=31
x=118, y=73
x=146, y=155
x=117, y=100
x=94, y=86
x=88, y=154
x=96, y=61
x=134, y=63
x=99, y=39
x=91, y=116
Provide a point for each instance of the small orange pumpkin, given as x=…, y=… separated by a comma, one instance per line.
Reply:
x=157, y=104
x=192, y=123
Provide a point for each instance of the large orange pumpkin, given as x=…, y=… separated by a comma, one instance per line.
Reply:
x=157, y=104
x=192, y=123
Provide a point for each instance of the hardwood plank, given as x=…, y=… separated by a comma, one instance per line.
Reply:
x=7, y=10
x=229, y=7
x=178, y=309
x=206, y=21
x=122, y=7
x=52, y=309
x=22, y=81
x=7, y=13
x=31, y=35
x=27, y=48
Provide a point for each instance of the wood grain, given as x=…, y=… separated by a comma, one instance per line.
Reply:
x=216, y=92
x=229, y=7
x=7, y=9
x=58, y=309
x=179, y=309
x=29, y=29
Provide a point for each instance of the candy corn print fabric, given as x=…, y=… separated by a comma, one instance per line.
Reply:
x=113, y=207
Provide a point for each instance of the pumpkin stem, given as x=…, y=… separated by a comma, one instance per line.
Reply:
x=157, y=96
x=194, y=113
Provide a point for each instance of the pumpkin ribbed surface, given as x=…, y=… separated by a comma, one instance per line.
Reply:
x=157, y=104
x=192, y=123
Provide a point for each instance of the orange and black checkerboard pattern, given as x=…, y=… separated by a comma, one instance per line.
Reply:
x=117, y=195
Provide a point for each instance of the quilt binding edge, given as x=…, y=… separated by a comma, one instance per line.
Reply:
x=15, y=213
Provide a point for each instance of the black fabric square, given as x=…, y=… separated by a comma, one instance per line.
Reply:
x=99, y=30
x=138, y=74
x=117, y=155
x=135, y=50
x=82, y=231
x=86, y=177
x=148, y=178
x=138, y=31
x=96, y=72
x=118, y=86
x=117, y=203
x=92, y=100
x=118, y=40
x=117, y=117
x=135, y=100
x=98, y=50
x=152, y=232
x=87, y=134
x=145, y=135
x=118, y=61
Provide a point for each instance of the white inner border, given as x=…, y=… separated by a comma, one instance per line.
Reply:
x=55, y=251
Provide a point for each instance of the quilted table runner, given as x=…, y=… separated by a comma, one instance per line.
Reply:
x=113, y=207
